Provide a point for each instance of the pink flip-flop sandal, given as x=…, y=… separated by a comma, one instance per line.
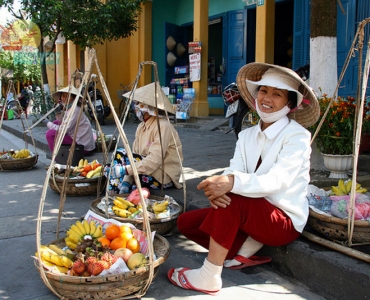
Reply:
x=249, y=262
x=185, y=284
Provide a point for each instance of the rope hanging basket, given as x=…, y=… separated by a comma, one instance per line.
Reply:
x=337, y=229
x=18, y=164
x=160, y=226
x=77, y=187
x=109, y=286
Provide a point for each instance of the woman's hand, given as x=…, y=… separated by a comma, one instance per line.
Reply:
x=216, y=188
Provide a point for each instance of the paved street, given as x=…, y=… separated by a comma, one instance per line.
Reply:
x=205, y=152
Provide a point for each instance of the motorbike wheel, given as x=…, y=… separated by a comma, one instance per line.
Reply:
x=244, y=121
x=100, y=117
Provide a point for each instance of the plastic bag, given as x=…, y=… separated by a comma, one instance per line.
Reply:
x=322, y=203
x=341, y=205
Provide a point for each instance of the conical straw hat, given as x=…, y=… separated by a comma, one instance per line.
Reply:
x=180, y=49
x=171, y=43
x=171, y=59
x=146, y=95
x=67, y=89
x=250, y=76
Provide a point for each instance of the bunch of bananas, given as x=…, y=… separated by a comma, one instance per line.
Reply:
x=23, y=153
x=123, y=208
x=344, y=188
x=82, y=162
x=159, y=207
x=77, y=233
x=54, y=257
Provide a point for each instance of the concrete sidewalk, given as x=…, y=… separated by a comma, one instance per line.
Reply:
x=207, y=151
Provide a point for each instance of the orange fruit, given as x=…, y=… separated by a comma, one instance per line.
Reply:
x=104, y=241
x=118, y=243
x=87, y=168
x=133, y=244
x=127, y=235
x=83, y=174
x=96, y=165
x=112, y=232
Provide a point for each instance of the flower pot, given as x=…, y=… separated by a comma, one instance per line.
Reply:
x=338, y=165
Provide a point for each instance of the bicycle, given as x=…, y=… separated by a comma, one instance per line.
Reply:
x=131, y=115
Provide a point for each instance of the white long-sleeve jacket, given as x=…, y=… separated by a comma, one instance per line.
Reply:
x=283, y=176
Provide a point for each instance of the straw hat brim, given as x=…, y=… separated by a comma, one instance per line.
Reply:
x=306, y=115
x=67, y=89
x=146, y=95
x=171, y=43
x=171, y=59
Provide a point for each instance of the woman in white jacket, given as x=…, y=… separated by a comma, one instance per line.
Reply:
x=261, y=197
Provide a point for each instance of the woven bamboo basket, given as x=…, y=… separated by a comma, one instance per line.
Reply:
x=18, y=164
x=160, y=227
x=337, y=229
x=110, y=286
x=99, y=146
x=74, y=187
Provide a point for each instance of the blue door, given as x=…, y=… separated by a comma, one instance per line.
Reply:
x=234, y=44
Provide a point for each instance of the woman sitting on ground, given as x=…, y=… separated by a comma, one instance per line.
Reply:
x=84, y=135
x=149, y=144
x=260, y=199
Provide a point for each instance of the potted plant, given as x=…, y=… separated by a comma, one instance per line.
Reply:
x=335, y=137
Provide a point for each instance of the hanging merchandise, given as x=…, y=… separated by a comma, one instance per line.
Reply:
x=195, y=47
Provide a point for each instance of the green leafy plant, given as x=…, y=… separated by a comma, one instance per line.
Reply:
x=337, y=130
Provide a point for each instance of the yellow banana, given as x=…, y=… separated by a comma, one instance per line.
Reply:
x=90, y=174
x=124, y=201
x=51, y=265
x=81, y=163
x=97, y=170
x=132, y=209
x=119, y=204
x=159, y=207
x=358, y=186
x=98, y=232
x=92, y=227
x=85, y=162
x=73, y=238
x=336, y=190
x=121, y=213
x=66, y=262
x=87, y=226
x=70, y=244
x=44, y=248
x=53, y=258
x=348, y=186
x=114, y=207
x=76, y=230
x=362, y=190
x=93, y=163
x=56, y=249
x=81, y=227
x=342, y=186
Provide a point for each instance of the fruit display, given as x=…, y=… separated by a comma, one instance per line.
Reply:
x=89, y=252
x=16, y=154
x=344, y=188
x=85, y=169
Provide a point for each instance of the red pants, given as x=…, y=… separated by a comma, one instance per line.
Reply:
x=230, y=226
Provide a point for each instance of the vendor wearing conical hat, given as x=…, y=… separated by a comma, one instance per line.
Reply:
x=84, y=135
x=260, y=199
x=150, y=142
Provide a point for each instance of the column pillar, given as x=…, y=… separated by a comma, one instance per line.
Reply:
x=265, y=31
x=200, y=106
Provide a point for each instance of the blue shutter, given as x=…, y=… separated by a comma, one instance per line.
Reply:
x=236, y=43
x=301, y=33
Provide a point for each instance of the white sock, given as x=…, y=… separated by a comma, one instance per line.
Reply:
x=208, y=277
x=249, y=247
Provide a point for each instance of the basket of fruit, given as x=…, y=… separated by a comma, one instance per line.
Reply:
x=163, y=211
x=17, y=159
x=84, y=180
x=110, y=142
x=331, y=219
x=100, y=262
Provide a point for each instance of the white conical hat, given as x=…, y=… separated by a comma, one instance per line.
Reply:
x=180, y=49
x=171, y=59
x=146, y=95
x=67, y=89
x=171, y=43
